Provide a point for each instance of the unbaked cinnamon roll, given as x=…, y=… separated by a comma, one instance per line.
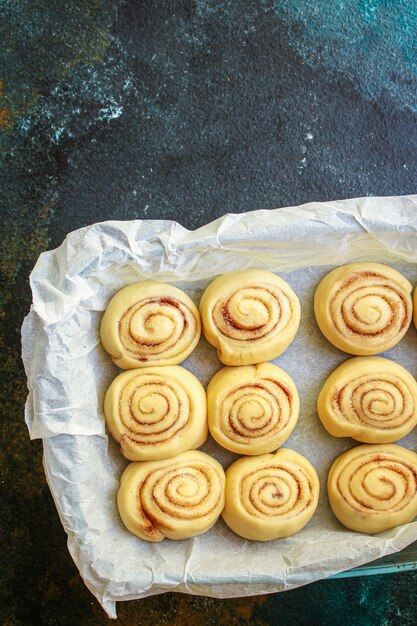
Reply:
x=156, y=412
x=252, y=409
x=374, y=488
x=270, y=496
x=370, y=399
x=363, y=308
x=250, y=316
x=176, y=498
x=150, y=323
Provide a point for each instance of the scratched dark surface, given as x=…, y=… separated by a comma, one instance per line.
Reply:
x=182, y=110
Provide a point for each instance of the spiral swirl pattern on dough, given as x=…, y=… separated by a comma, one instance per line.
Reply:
x=250, y=316
x=150, y=324
x=374, y=488
x=371, y=399
x=363, y=308
x=156, y=413
x=270, y=496
x=176, y=498
x=252, y=409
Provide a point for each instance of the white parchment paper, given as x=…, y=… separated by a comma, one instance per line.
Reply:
x=68, y=373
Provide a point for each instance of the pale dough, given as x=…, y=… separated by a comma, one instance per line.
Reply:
x=176, y=498
x=148, y=324
x=252, y=409
x=250, y=316
x=370, y=399
x=156, y=412
x=270, y=496
x=363, y=308
x=374, y=487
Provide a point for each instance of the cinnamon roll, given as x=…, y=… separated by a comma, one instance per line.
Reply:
x=156, y=412
x=252, y=409
x=374, y=488
x=176, y=498
x=363, y=308
x=149, y=324
x=270, y=496
x=370, y=399
x=250, y=316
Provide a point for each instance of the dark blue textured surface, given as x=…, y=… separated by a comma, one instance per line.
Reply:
x=183, y=110
x=370, y=43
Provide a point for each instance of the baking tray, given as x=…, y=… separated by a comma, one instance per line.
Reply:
x=402, y=561
x=71, y=287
